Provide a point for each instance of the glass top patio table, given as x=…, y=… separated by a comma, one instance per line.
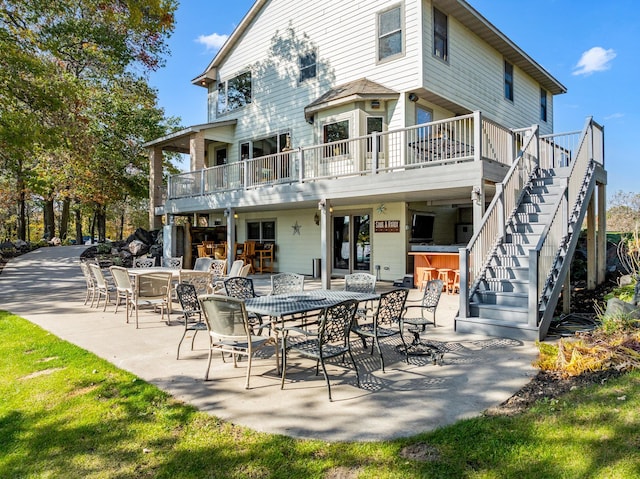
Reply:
x=283, y=305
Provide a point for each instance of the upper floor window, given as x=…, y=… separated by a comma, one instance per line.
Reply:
x=390, y=33
x=336, y=133
x=440, y=35
x=307, y=64
x=543, y=104
x=508, y=80
x=234, y=93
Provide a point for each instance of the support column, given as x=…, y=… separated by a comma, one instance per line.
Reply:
x=155, y=186
x=602, y=232
x=591, y=243
x=230, y=214
x=325, y=243
x=196, y=151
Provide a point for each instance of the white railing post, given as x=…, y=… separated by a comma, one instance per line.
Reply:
x=533, y=288
x=477, y=136
x=464, y=283
x=375, y=138
x=501, y=210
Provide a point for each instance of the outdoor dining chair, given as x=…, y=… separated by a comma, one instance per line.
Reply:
x=201, y=280
x=153, y=289
x=144, y=262
x=229, y=331
x=102, y=288
x=172, y=262
x=90, y=281
x=236, y=266
x=203, y=263
x=191, y=312
x=217, y=268
x=386, y=321
x=361, y=283
x=124, y=288
x=427, y=304
x=285, y=283
x=329, y=341
x=241, y=287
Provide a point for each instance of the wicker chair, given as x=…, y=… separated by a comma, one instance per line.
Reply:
x=330, y=340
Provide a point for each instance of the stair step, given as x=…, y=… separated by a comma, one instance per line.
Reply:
x=508, y=272
x=534, y=229
x=504, y=285
x=504, y=313
x=531, y=217
x=513, y=249
x=522, y=238
x=500, y=298
x=513, y=261
x=497, y=328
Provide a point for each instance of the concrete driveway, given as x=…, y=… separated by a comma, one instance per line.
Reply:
x=46, y=287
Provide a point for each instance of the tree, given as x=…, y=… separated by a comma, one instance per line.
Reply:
x=64, y=66
x=624, y=212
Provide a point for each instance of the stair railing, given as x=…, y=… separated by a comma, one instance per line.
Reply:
x=475, y=258
x=558, y=240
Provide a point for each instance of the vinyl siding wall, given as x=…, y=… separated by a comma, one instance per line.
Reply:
x=473, y=76
x=343, y=34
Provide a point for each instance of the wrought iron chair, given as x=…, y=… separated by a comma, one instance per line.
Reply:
x=229, y=331
x=330, y=340
x=360, y=282
x=102, y=288
x=191, y=312
x=124, y=288
x=236, y=266
x=144, y=262
x=153, y=289
x=240, y=287
x=428, y=304
x=172, y=262
x=218, y=268
x=285, y=283
x=385, y=322
x=201, y=280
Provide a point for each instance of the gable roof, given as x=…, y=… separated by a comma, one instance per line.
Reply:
x=459, y=9
x=361, y=89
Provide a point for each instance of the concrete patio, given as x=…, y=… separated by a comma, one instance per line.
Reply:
x=46, y=287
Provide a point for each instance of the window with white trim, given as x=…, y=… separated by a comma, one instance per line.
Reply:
x=234, y=93
x=440, y=35
x=262, y=231
x=390, y=26
x=307, y=63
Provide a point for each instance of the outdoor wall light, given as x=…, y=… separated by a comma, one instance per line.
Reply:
x=475, y=195
x=316, y=218
x=413, y=97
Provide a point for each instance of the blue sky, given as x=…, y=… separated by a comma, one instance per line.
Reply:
x=591, y=47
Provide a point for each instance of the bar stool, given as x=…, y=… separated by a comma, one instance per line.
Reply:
x=455, y=285
x=427, y=275
x=444, y=276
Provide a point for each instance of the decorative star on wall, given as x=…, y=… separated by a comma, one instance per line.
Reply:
x=382, y=209
x=296, y=228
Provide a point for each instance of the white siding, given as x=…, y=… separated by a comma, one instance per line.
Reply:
x=473, y=76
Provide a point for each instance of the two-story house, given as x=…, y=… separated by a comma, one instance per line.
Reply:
x=390, y=137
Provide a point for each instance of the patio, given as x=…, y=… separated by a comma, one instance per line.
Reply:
x=47, y=288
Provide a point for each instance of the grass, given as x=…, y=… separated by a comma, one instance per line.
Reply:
x=65, y=413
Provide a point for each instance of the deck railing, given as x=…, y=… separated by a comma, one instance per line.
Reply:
x=475, y=257
x=453, y=140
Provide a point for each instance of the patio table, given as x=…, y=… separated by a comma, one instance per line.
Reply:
x=289, y=307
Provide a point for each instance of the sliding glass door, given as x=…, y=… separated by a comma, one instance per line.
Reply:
x=351, y=243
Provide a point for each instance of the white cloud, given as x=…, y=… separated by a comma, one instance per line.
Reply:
x=614, y=116
x=213, y=41
x=596, y=59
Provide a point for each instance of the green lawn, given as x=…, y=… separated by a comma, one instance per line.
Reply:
x=65, y=413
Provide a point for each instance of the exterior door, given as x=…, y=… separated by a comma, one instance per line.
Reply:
x=351, y=243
